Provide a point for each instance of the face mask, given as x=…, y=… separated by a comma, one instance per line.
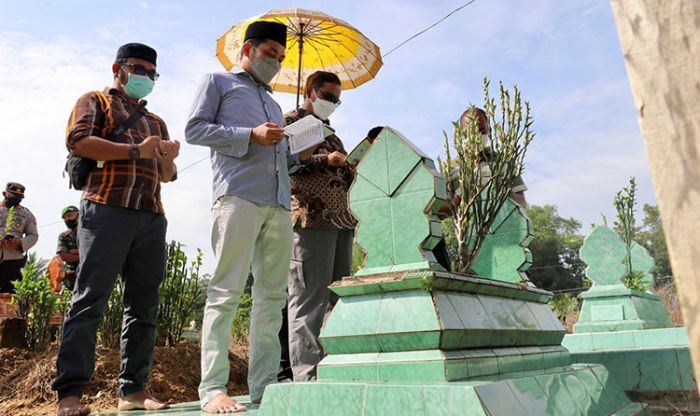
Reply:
x=12, y=201
x=323, y=108
x=138, y=86
x=485, y=140
x=71, y=223
x=264, y=69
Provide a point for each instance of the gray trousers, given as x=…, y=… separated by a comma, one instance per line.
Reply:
x=113, y=241
x=319, y=257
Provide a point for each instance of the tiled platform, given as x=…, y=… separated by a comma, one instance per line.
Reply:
x=184, y=409
x=571, y=390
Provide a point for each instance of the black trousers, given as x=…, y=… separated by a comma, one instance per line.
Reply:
x=10, y=270
x=113, y=241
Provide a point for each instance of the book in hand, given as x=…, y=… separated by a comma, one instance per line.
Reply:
x=305, y=133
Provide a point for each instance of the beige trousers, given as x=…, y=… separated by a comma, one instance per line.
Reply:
x=245, y=233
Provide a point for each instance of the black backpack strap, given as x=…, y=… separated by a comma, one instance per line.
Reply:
x=128, y=123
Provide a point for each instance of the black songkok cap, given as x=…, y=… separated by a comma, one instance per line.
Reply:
x=16, y=189
x=137, y=50
x=262, y=29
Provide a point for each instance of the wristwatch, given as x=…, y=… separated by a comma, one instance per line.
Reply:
x=134, y=152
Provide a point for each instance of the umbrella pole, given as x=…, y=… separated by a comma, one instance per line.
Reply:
x=301, y=52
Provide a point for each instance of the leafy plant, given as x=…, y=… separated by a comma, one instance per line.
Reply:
x=180, y=293
x=625, y=201
x=111, y=325
x=241, y=321
x=8, y=222
x=485, y=184
x=36, y=303
x=564, y=305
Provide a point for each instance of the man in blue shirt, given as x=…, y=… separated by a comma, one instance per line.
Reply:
x=236, y=117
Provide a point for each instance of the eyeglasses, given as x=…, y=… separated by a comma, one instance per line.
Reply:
x=142, y=70
x=325, y=95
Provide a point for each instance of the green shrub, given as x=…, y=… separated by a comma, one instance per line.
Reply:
x=111, y=326
x=241, y=322
x=180, y=294
x=36, y=303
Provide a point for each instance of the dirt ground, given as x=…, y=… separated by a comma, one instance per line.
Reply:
x=25, y=378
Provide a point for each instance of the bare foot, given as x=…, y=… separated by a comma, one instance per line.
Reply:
x=222, y=403
x=71, y=406
x=140, y=401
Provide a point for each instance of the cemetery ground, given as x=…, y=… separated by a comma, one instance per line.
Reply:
x=25, y=382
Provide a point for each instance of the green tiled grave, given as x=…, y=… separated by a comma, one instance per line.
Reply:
x=628, y=331
x=573, y=390
x=406, y=337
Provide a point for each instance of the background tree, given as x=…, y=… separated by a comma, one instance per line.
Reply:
x=556, y=263
x=651, y=237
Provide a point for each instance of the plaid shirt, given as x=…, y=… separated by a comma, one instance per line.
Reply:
x=320, y=191
x=133, y=184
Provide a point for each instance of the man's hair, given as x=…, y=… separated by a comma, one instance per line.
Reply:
x=467, y=116
x=254, y=42
x=318, y=78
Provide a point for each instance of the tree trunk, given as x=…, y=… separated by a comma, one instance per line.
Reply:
x=661, y=44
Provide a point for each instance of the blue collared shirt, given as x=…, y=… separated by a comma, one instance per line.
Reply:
x=227, y=106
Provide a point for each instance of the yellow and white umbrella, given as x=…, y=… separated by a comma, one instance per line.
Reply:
x=315, y=41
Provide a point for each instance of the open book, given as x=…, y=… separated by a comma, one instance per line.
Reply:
x=305, y=133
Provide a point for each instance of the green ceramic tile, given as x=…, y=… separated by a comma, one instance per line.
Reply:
x=409, y=311
x=613, y=340
x=376, y=236
x=457, y=370
x=607, y=313
x=354, y=315
x=530, y=395
x=465, y=402
x=400, y=160
x=276, y=400
x=482, y=366
x=510, y=363
x=533, y=362
x=387, y=400
x=313, y=398
x=686, y=369
x=427, y=371
x=499, y=312
x=579, y=394
x=336, y=359
x=524, y=318
x=351, y=344
x=448, y=315
x=450, y=339
x=427, y=340
x=437, y=400
x=423, y=355
x=578, y=342
x=603, y=401
x=349, y=372
x=409, y=209
x=365, y=190
x=560, y=401
x=470, y=311
x=610, y=386
x=660, y=370
x=498, y=399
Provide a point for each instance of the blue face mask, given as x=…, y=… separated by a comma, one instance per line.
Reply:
x=138, y=86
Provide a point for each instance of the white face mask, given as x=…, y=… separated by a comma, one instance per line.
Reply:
x=323, y=108
x=485, y=140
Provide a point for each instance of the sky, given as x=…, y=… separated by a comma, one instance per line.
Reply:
x=564, y=56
